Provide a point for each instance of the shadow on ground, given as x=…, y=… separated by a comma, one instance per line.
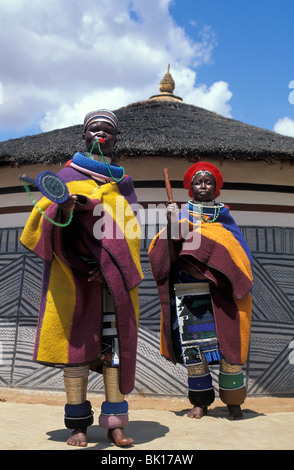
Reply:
x=222, y=412
x=144, y=432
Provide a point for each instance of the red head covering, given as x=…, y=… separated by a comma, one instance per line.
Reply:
x=203, y=166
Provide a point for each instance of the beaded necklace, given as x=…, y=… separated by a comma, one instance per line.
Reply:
x=217, y=208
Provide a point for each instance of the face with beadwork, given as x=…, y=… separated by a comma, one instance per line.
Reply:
x=100, y=130
x=203, y=187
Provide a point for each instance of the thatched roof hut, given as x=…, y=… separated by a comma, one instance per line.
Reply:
x=162, y=126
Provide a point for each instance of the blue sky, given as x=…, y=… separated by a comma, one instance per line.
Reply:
x=254, y=53
x=63, y=58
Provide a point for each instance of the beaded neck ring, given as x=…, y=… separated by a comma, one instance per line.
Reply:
x=108, y=166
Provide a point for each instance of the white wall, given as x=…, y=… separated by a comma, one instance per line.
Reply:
x=151, y=169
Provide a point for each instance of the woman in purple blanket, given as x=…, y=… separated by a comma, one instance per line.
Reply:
x=202, y=267
x=89, y=309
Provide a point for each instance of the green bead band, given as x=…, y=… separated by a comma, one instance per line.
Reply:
x=215, y=217
x=203, y=171
x=230, y=381
x=58, y=224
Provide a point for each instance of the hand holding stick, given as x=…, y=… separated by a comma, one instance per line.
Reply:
x=172, y=212
x=172, y=208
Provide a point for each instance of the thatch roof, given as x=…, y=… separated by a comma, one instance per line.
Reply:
x=157, y=127
x=167, y=128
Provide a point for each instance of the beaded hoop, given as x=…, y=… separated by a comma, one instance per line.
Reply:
x=47, y=184
x=50, y=185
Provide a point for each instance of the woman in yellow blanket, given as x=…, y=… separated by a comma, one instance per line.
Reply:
x=89, y=310
x=204, y=280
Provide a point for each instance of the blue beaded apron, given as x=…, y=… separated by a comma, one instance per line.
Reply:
x=196, y=323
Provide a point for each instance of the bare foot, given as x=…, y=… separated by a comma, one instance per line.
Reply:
x=78, y=438
x=197, y=412
x=235, y=412
x=119, y=438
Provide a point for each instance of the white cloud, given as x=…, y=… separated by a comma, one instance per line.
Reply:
x=61, y=58
x=285, y=126
x=215, y=98
x=69, y=114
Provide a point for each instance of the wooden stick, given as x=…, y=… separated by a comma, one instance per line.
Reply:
x=168, y=185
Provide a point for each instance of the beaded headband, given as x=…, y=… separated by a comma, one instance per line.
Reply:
x=203, y=172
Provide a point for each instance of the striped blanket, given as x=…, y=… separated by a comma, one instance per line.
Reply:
x=69, y=327
x=221, y=254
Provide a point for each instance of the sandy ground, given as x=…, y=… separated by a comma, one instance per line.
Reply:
x=33, y=420
x=137, y=402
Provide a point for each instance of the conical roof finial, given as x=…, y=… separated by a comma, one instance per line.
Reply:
x=167, y=84
x=166, y=88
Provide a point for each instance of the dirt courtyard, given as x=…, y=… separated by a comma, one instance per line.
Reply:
x=260, y=404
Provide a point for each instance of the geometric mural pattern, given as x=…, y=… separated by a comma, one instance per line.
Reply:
x=268, y=371
x=271, y=370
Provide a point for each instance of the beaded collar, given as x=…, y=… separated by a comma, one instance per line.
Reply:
x=110, y=171
x=209, y=208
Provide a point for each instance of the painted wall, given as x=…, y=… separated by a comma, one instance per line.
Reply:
x=269, y=233
x=270, y=365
